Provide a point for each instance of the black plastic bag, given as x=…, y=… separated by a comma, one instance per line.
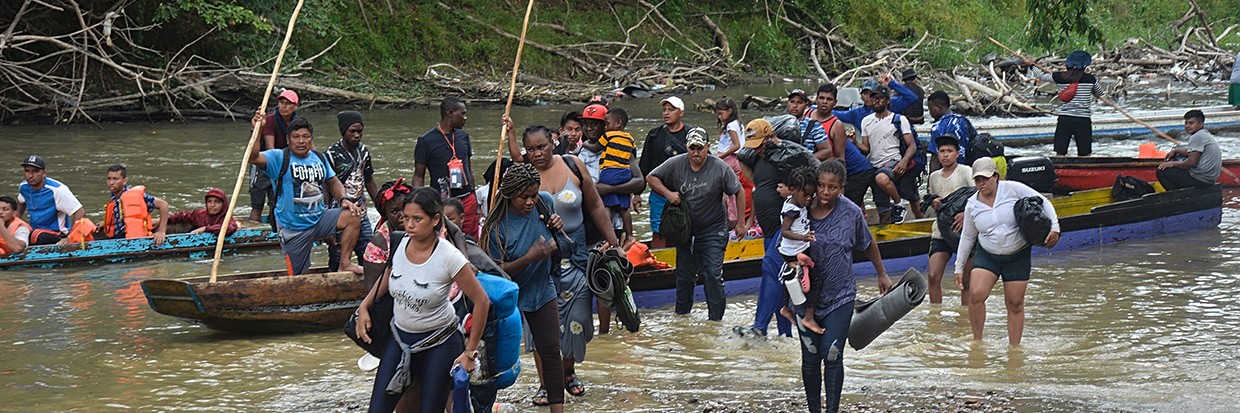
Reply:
x=1128, y=188
x=951, y=205
x=1032, y=220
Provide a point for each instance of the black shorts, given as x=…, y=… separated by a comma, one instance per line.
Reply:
x=1012, y=267
x=908, y=184
x=856, y=185
x=940, y=245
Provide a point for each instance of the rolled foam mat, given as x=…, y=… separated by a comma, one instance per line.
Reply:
x=873, y=317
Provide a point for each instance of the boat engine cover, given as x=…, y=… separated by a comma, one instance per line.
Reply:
x=1036, y=171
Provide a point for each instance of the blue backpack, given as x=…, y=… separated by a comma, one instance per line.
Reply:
x=501, y=340
x=919, y=157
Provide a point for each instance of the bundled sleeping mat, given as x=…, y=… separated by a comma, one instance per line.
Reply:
x=873, y=317
x=607, y=275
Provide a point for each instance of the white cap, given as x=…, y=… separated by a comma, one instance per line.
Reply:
x=984, y=167
x=675, y=101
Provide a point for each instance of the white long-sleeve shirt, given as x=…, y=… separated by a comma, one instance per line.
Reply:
x=995, y=226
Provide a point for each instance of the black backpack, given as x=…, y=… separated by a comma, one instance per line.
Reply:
x=1128, y=187
x=919, y=157
x=983, y=146
x=277, y=184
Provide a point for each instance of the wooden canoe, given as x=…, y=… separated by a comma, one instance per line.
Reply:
x=1087, y=219
x=1040, y=130
x=265, y=302
x=1078, y=173
x=116, y=250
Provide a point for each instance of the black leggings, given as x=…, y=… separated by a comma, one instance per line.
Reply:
x=545, y=328
x=430, y=369
x=1071, y=128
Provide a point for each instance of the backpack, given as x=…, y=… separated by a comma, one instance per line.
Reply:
x=1128, y=188
x=983, y=146
x=677, y=226
x=277, y=183
x=919, y=157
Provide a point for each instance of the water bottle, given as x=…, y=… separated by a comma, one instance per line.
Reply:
x=790, y=276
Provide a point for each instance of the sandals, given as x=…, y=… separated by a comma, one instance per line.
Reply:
x=574, y=386
x=540, y=398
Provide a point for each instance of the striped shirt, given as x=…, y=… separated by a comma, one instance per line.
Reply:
x=618, y=150
x=1080, y=105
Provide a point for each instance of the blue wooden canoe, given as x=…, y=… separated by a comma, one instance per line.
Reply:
x=191, y=245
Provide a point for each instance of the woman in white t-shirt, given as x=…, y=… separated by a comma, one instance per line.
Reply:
x=729, y=142
x=427, y=342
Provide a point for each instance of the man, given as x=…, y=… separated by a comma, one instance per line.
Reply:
x=446, y=151
x=947, y=123
x=302, y=180
x=662, y=143
x=350, y=160
x=915, y=112
x=838, y=145
x=593, y=126
x=275, y=136
x=903, y=99
x=570, y=134
x=699, y=181
x=812, y=133
x=1203, y=160
x=881, y=136
x=766, y=160
x=54, y=211
x=128, y=212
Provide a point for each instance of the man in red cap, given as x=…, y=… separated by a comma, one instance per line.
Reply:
x=209, y=219
x=593, y=125
x=275, y=136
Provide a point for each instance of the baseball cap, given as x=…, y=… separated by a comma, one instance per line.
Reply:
x=882, y=90
x=757, y=131
x=217, y=193
x=674, y=101
x=870, y=85
x=697, y=137
x=35, y=161
x=798, y=92
x=289, y=95
x=908, y=74
x=595, y=111
x=984, y=167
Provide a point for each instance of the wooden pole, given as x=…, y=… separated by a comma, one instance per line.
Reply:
x=249, y=145
x=512, y=89
x=1102, y=98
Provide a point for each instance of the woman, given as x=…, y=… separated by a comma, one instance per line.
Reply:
x=209, y=219
x=426, y=343
x=390, y=203
x=1077, y=91
x=990, y=221
x=839, y=230
x=575, y=199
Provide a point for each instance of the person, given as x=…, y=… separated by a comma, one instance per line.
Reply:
x=577, y=202
x=128, y=211
x=662, y=143
x=390, y=203
x=840, y=231
x=615, y=168
x=947, y=123
x=766, y=160
x=700, y=181
x=274, y=130
x=570, y=134
x=519, y=236
x=915, y=112
x=812, y=132
x=350, y=160
x=426, y=343
x=14, y=233
x=730, y=142
x=1002, y=252
x=209, y=219
x=483, y=193
x=303, y=180
x=54, y=211
x=882, y=133
x=446, y=152
x=902, y=100
x=1077, y=91
x=454, y=211
x=594, y=127
x=1202, y=159
x=1233, y=90
x=795, y=234
x=943, y=182
x=840, y=146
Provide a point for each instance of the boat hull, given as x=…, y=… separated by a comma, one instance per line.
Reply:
x=117, y=250
x=1040, y=130
x=1081, y=173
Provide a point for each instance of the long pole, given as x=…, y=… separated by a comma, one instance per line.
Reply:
x=512, y=90
x=249, y=145
x=1102, y=98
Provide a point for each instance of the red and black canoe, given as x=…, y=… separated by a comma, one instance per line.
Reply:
x=1078, y=173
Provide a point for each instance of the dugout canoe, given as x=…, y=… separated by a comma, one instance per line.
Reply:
x=265, y=302
x=117, y=250
x=1078, y=173
x=1041, y=130
x=1086, y=218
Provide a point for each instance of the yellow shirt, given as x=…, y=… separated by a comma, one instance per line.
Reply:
x=618, y=150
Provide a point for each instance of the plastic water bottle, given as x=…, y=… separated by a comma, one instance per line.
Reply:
x=792, y=282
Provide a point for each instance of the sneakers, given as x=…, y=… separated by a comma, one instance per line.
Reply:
x=897, y=212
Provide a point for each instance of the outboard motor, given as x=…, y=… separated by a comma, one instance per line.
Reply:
x=1036, y=171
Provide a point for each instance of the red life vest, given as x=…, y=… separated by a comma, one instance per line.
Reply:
x=17, y=223
x=133, y=211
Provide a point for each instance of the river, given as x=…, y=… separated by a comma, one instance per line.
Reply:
x=1137, y=326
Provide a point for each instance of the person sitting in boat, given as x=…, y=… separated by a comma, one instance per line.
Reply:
x=1077, y=91
x=1201, y=159
x=14, y=233
x=303, y=179
x=209, y=219
x=948, y=123
x=427, y=342
x=897, y=176
x=700, y=181
x=128, y=213
x=54, y=212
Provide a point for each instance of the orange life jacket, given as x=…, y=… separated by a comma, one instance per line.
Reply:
x=17, y=223
x=133, y=211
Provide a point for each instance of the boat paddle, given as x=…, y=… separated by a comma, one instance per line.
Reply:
x=249, y=144
x=1102, y=98
x=512, y=89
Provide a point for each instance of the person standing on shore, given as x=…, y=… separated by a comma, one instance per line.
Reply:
x=1202, y=159
x=447, y=153
x=662, y=143
x=275, y=132
x=1077, y=91
x=350, y=159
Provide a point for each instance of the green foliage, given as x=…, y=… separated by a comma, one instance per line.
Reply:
x=220, y=14
x=1056, y=21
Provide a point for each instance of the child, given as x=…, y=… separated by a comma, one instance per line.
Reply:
x=942, y=183
x=729, y=142
x=453, y=210
x=617, y=148
x=209, y=219
x=796, y=236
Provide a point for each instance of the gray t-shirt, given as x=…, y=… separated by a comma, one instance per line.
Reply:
x=702, y=191
x=1211, y=162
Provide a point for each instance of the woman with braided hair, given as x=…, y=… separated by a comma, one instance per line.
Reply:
x=518, y=234
x=390, y=200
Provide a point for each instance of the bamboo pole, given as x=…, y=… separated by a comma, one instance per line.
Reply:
x=249, y=145
x=1102, y=98
x=512, y=89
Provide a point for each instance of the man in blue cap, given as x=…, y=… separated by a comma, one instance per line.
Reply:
x=1077, y=91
